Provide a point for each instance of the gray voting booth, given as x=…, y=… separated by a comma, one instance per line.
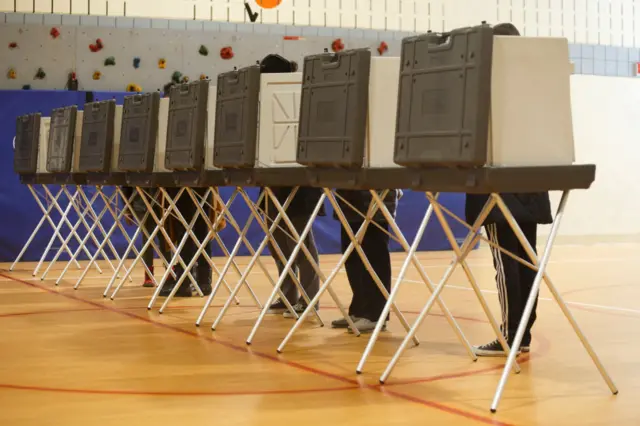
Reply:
x=25, y=156
x=139, y=132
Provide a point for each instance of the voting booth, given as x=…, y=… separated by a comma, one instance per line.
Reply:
x=65, y=136
x=25, y=155
x=468, y=98
x=139, y=132
x=100, y=143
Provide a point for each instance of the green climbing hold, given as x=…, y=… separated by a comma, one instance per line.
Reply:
x=176, y=76
x=40, y=74
x=203, y=50
x=110, y=61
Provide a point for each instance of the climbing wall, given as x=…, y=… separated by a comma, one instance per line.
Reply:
x=114, y=59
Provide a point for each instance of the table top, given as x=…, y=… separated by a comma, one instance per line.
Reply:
x=479, y=180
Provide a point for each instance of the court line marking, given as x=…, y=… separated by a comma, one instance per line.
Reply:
x=293, y=364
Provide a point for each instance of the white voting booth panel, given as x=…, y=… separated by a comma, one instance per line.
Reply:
x=531, y=122
x=280, y=114
x=117, y=128
x=161, y=137
x=210, y=129
x=43, y=144
x=77, y=142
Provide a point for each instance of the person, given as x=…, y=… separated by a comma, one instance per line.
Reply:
x=368, y=301
x=299, y=213
x=514, y=280
x=139, y=208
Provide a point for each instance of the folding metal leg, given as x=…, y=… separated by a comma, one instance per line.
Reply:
x=117, y=224
x=176, y=251
x=465, y=249
x=300, y=245
x=234, y=252
x=256, y=258
x=212, y=234
x=46, y=216
x=411, y=258
x=326, y=285
x=65, y=219
x=90, y=234
x=65, y=243
x=541, y=265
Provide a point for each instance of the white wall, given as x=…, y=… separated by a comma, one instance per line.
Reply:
x=606, y=22
x=606, y=120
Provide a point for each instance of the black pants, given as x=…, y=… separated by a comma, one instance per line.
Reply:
x=368, y=301
x=514, y=280
x=188, y=209
x=149, y=225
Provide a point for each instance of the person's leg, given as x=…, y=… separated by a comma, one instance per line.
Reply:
x=286, y=244
x=375, y=246
x=308, y=276
x=177, y=232
x=204, y=272
x=147, y=257
x=508, y=283
x=527, y=275
x=355, y=274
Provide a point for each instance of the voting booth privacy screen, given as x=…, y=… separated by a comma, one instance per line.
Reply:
x=21, y=214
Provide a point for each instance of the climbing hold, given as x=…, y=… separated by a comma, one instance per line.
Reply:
x=203, y=77
x=40, y=74
x=110, y=61
x=13, y=45
x=226, y=52
x=132, y=87
x=383, y=48
x=97, y=75
x=136, y=62
x=185, y=79
x=337, y=45
x=72, y=81
x=11, y=74
x=99, y=44
x=176, y=76
x=26, y=87
x=162, y=63
x=203, y=50
x=55, y=33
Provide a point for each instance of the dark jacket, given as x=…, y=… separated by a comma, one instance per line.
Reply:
x=361, y=199
x=526, y=208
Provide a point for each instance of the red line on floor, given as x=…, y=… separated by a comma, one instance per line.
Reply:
x=278, y=359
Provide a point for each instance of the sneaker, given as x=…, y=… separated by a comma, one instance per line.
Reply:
x=206, y=289
x=299, y=307
x=494, y=349
x=148, y=282
x=184, y=290
x=365, y=325
x=277, y=308
x=342, y=323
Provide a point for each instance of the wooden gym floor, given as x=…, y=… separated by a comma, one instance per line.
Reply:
x=73, y=358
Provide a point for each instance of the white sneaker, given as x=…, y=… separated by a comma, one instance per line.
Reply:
x=365, y=325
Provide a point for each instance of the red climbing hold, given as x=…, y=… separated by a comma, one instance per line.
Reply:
x=55, y=33
x=13, y=45
x=382, y=49
x=337, y=45
x=226, y=52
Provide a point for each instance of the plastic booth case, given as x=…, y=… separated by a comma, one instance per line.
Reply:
x=470, y=99
x=64, y=141
x=25, y=156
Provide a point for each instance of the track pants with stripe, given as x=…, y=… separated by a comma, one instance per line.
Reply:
x=514, y=280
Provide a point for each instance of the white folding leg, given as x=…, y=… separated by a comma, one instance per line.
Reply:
x=234, y=252
x=65, y=243
x=541, y=265
x=90, y=233
x=160, y=228
x=212, y=234
x=411, y=258
x=465, y=249
x=46, y=216
x=326, y=284
x=117, y=224
x=64, y=218
x=140, y=230
x=256, y=258
x=57, y=233
x=300, y=245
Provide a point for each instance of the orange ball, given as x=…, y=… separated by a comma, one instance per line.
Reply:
x=268, y=4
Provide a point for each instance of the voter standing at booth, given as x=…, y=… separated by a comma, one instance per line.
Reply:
x=299, y=212
x=514, y=280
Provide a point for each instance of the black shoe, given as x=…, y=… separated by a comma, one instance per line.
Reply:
x=185, y=290
x=206, y=289
x=495, y=349
x=299, y=307
x=277, y=308
x=167, y=288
